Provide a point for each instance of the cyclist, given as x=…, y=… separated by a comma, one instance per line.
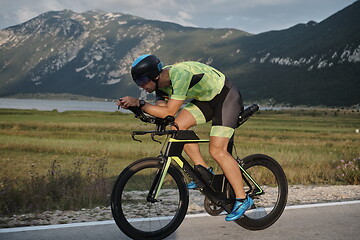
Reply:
x=214, y=98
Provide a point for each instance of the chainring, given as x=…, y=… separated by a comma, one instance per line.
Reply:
x=211, y=208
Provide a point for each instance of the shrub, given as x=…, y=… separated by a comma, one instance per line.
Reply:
x=63, y=189
x=349, y=171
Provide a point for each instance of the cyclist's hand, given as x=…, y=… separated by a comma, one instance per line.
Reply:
x=127, y=102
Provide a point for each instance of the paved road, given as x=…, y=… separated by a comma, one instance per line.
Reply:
x=327, y=221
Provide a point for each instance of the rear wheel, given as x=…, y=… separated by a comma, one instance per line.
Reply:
x=269, y=204
x=138, y=216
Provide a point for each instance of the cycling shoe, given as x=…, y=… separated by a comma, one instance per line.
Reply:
x=240, y=207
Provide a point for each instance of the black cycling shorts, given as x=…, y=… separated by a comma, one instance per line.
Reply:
x=224, y=110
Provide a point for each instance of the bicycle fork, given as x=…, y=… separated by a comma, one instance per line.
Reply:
x=158, y=181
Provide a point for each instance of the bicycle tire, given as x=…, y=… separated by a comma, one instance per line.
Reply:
x=269, y=206
x=139, y=218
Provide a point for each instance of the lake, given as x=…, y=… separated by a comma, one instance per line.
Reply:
x=59, y=105
x=74, y=105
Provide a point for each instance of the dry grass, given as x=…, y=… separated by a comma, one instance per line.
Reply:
x=70, y=160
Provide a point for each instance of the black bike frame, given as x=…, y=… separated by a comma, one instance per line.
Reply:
x=173, y=152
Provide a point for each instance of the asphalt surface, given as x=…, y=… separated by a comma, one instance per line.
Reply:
x=320, y=221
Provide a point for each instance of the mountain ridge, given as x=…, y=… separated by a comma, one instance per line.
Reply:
x=90, y=54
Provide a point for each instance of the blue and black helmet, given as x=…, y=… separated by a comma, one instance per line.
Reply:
x=145, y=69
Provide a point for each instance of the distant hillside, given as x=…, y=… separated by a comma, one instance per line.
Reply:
x=90, y=54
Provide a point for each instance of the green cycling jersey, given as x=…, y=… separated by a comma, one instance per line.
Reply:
x=193, y=80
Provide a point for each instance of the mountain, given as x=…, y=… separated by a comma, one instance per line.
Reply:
x=313, y=63
x=90, y=54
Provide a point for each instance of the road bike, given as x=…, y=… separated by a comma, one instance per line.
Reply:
x=150, y=197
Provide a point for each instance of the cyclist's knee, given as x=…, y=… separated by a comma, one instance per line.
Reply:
x=185, y=120
x=218, y=148
x=219, y=154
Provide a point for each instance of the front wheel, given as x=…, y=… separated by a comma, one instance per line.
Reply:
x=141, y=217
x=269, y=204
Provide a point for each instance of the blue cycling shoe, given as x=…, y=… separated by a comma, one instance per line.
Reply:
x=240, y=207
x=193, y=185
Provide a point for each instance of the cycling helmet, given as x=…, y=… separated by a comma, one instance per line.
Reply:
x=145, y=69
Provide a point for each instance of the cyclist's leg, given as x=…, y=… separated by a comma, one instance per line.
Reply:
x=227, y=106
x=218, y=151
x=185, y=120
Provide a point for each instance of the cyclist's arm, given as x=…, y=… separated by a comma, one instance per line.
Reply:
x=163, y=109
x=161, y=103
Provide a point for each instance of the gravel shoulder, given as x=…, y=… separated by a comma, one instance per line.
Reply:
x=298, y=194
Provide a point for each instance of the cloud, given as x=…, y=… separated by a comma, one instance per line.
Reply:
x=249, y=15
x=13, y=12
x=184, y=15
x=24, y=14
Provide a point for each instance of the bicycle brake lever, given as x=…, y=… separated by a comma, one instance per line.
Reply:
x=153, y=138
x=133, y=137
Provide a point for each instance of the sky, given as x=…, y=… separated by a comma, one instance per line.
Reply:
x=253, y=16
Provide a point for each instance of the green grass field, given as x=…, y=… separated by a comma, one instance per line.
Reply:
x=70, y=159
